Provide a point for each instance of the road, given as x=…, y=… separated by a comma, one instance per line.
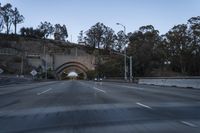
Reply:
x=96, y=107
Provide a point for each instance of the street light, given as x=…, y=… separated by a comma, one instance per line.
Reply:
x=131, y=71
x=131, y=64
x=123, y=27
x=125, y=75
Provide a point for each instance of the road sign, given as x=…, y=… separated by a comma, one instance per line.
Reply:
x=33, y=72
x=1, y=71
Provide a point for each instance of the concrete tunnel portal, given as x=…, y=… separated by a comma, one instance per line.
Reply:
x=63, y=71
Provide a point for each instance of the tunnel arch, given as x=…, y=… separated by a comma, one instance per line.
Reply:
x=71, y=66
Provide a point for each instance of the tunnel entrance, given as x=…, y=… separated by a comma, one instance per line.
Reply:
x=78, y=71
x=72, y=73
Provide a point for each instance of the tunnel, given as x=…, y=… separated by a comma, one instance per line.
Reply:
x=62, y=72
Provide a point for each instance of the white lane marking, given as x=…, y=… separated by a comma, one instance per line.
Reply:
x=188, y=124
x=44, y=91
x=99, y=89
x=143, y=105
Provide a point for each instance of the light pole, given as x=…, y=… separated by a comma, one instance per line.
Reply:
x=131, y=71
x=131, y=64
x=125, y=74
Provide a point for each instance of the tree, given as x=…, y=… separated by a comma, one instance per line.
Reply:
x=142, y=48
x=1, y=23
x=162, y=53
x=100, y=36
x=109, y=38
x=120, y=41
x=47, y=28
x=113, y=67
x=94, y=36
x=1, y=19
x=33, y=33
x=17, y=19
x=80, y=37
x=60, y=32
x=194, y=33
x=7, y=13
x=178, y=40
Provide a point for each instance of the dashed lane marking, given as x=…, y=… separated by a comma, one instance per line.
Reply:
x=188, y=124
x=44, y=91
x=143, y=105
x=99, y=89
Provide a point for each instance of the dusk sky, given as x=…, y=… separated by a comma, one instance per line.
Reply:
x=80, y=15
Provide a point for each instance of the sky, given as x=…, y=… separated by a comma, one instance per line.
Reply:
x=80, y=15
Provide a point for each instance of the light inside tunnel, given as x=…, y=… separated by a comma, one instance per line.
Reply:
x=72, y=74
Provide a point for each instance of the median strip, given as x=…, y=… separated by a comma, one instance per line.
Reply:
x=143, y=105
x=44, y=91
x=99, y=89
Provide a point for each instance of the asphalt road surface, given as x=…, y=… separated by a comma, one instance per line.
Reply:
x=98, y=107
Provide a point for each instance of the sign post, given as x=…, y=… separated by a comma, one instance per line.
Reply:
x=33, y=73
x=1, y=71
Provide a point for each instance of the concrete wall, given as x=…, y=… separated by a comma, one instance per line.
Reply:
x=86, y=60
x=52, y=53
x=193, y=82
